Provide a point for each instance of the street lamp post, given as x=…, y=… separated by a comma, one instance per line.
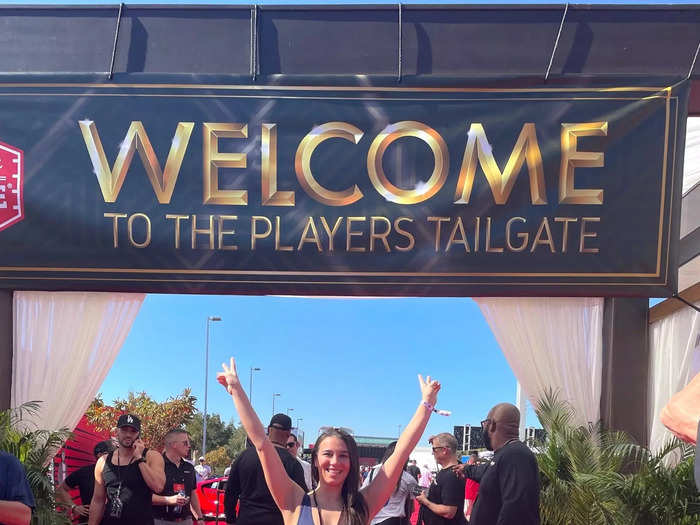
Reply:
x=273, y=402
x=250, y=384
x=298, y=420
x=290, y=410
x=206, y=383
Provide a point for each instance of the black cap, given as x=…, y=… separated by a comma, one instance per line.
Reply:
x=129, y=420
x=281, y=422
x=103, y=447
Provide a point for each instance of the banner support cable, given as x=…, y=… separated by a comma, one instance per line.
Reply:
x=556, y=42
x=116, y=37
x=400, y=53
x=692, y=65
x=678, y=297
x=254, y=41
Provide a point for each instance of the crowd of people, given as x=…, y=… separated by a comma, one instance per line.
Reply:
x=269, y=484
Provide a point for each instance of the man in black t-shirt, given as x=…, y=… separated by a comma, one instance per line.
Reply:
x=84, y=479
x=509, y=485
x=444, y=503
x=246, y=481
x=413, y=469
x=178, y=500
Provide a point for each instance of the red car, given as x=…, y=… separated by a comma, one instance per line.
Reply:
x=211, y=499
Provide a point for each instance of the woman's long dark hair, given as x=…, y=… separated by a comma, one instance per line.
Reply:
x=354, y=504
x=387, y=453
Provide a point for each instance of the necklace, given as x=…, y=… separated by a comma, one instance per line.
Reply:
x=318, y=510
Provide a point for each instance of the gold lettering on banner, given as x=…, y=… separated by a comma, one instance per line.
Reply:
x=477, y=233
x=373, y=235
x=523, y=236
x=115, y=226
x=408, y=235
x=310, y=227
x=278, y=233
x=379, y=146
x=254, y=235
x=331, y=232
x=544, y=228
x=438, y=227
x=222, y=232
x=177, y=218
x=302, y=163
x=202, y=231
x=111, y=180
x=213, y=159
x=478, y=151
x=565, y=231
x=584, y=234
x=462, y=239
x=130, y=230
x=489, y=248
x=572, y=158
x=268, y=167
x=350, y=234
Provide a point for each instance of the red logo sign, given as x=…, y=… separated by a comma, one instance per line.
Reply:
x=11, y=188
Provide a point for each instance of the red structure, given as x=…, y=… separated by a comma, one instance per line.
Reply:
x=77, y=452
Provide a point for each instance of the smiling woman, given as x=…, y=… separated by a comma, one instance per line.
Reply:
x=335, y=466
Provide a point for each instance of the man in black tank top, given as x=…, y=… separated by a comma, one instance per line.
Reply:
x=126, y=479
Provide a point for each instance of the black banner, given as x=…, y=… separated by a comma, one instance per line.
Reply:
x=342, y=191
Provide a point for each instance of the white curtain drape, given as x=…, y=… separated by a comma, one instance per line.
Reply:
x=691, y=165
x=552, y=343
x=64, y=345
x=674, y=359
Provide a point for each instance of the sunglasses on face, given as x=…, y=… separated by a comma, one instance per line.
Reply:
x=485, y=422
x=291, y=444
x=437, y=448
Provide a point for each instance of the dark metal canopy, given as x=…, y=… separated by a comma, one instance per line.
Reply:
x=462, y=42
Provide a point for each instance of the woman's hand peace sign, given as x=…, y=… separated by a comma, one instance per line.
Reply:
x=429, y=389
x=229, y=377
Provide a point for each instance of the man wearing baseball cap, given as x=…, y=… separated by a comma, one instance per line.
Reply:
x=246, y=481
x=203, y=470
x=84, y=479
x=126, y=479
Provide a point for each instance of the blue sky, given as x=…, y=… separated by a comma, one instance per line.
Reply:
x=340, y=362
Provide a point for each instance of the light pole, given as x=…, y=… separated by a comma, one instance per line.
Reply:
x=273, y=402
x=290, y=410
x=298, y=420
x=206, y=383
x=250, y=384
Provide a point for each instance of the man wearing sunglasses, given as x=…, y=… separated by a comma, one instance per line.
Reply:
x=444, y=503
x=178, y=500
x=509, y=486
x=293, y=448
x=246, y=482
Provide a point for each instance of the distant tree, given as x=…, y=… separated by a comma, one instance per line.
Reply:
x=218, y=432
x=218, y=459
x=156, y=417
x=236, y=444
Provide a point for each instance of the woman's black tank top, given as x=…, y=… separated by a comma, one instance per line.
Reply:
x=128, y=483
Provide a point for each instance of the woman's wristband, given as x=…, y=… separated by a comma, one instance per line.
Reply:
x=428, y=406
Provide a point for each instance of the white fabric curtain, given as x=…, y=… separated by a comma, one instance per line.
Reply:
x=674, y=356
x=691, y=165
x=64, y=345
x=552, y=343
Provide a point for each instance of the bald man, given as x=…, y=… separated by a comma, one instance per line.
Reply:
x=509, y=486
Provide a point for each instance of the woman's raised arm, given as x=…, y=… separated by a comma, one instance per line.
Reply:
x=383, y=484
x=285, y=492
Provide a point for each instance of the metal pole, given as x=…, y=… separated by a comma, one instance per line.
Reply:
x=250, y=384
x=520, y=403
x=273, y=404
x=206, y=384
